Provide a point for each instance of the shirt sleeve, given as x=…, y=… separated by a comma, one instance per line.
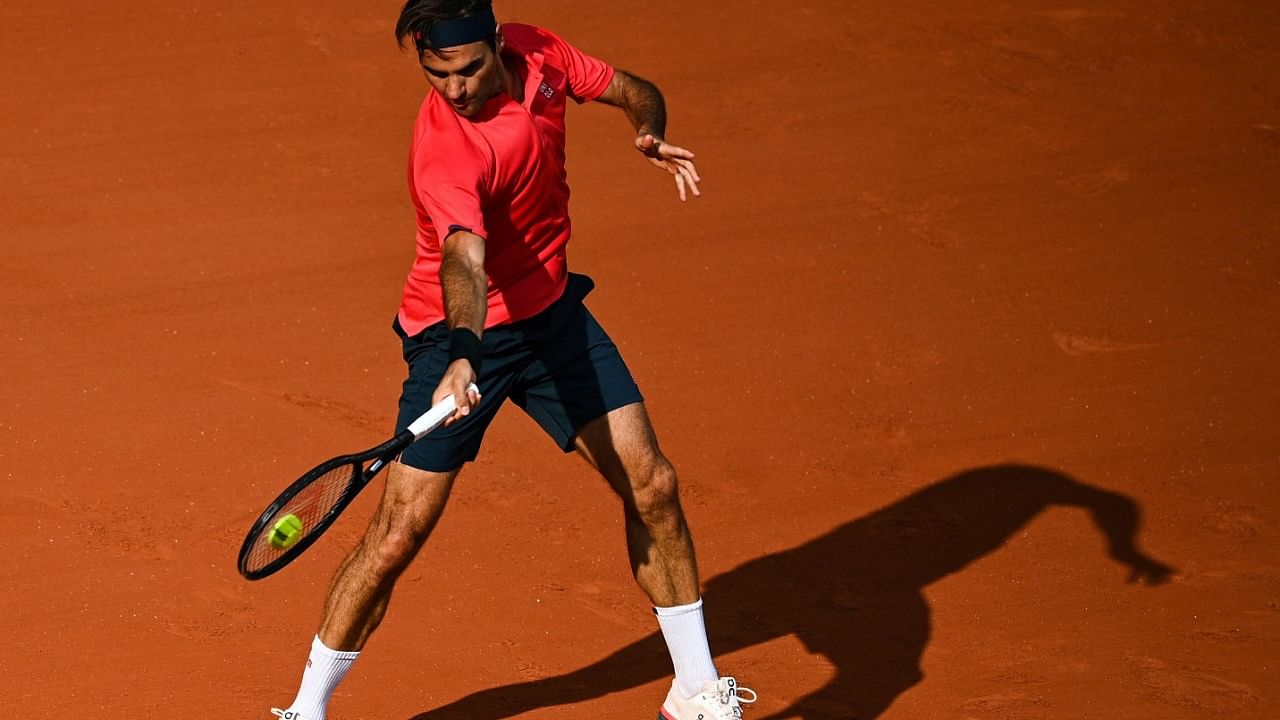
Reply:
x=451, y=187
x=589, y=76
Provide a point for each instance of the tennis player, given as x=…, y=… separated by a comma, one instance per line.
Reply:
x=489, y=300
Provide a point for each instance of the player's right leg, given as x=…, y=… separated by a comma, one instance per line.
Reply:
x=416, y=490
x=411, y=505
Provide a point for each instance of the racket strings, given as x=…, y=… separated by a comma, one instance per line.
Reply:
x=313, y=504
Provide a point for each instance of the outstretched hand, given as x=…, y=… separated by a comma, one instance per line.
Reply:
x=673, y=159
x=1146, y=570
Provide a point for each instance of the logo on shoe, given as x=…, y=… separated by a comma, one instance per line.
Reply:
x=287, y=714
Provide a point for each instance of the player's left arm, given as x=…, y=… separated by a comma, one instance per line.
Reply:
x=647, y=110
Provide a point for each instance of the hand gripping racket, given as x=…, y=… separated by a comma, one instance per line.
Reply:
x=297, y=518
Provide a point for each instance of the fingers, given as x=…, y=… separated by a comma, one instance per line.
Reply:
x=661, y=149
x=1149, y=572
x=687, y=174
x=464, y=409
x=456, y=382
x=672, y=151
x=674, y=159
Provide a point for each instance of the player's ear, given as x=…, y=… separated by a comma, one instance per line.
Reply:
x=497, y=41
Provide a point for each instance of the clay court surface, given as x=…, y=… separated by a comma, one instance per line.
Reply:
x=977, y=317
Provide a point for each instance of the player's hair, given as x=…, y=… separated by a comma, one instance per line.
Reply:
x=418, y=16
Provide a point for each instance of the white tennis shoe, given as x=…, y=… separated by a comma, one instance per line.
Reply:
x=718, y=700
x=287, y=714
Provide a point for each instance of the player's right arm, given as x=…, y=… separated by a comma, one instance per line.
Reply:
x=463, y=280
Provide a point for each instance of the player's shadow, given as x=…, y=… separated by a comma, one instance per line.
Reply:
x=853, y=595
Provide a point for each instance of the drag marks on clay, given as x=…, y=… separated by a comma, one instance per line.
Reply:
x=336, y=410
x=1267, y=135
x=927, y=220
x=231, y=531
x=130, y=533
x=527, y=669
x=323, y=407
x=1250, y=277
x=1073, y=15
x=1050, y=135
x=1046, y=53
x=1221, y=637
x=1191, y=686
x=1239, y=522
x=1083, y=345
x=149, y=543
x=870, y=50
x=218, y=625
x=214, y=610
x=905, y=365
x=1007, y=706
x=1097, y=184
x=1016, y=67
x=1197, y=34
x=877, y=428
x=759, y=107
x=123, y=541
x=341, y=36
x=1007, y=79
x=23, y=505
x=610, y=601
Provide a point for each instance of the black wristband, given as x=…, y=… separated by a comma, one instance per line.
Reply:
x=465, y=345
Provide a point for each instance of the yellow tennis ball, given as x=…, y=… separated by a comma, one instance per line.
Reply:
x=286, y=532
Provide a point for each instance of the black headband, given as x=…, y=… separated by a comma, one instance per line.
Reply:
x=460, y=31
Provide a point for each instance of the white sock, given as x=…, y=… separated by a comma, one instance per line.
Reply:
x=325, y=669
x=686, y=637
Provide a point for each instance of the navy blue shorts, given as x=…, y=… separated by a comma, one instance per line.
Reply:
x=559, y=366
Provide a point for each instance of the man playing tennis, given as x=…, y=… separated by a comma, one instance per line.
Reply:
x=489, y=300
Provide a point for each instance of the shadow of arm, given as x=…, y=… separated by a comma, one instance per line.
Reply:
x=1119, y=518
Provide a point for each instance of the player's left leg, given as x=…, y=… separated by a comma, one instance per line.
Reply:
x=623, y=447
x=582, y=394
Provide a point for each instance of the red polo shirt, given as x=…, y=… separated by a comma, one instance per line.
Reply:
x=500, y=175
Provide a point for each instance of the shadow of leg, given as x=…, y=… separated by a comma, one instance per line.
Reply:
x=641, y=662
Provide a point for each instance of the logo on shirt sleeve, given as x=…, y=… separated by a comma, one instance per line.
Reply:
x=547, y=91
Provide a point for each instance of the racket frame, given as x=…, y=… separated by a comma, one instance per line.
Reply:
x=377, y=457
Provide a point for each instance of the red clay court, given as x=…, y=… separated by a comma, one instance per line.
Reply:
x=977, y=318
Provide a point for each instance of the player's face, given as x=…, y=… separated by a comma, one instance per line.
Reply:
x=466, y=75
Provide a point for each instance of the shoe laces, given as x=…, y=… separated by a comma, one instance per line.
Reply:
x=729, y=693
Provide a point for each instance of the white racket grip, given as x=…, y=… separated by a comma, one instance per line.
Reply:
x=431, y=419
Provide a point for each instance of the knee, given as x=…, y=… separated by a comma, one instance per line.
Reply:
x=657, y=493
x=391, y=549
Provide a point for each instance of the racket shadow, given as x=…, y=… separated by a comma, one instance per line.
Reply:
x=853, y=595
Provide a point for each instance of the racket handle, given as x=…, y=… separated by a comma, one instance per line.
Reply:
x=431, y=419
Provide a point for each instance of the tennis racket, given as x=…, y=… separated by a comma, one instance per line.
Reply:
x=301, y=514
